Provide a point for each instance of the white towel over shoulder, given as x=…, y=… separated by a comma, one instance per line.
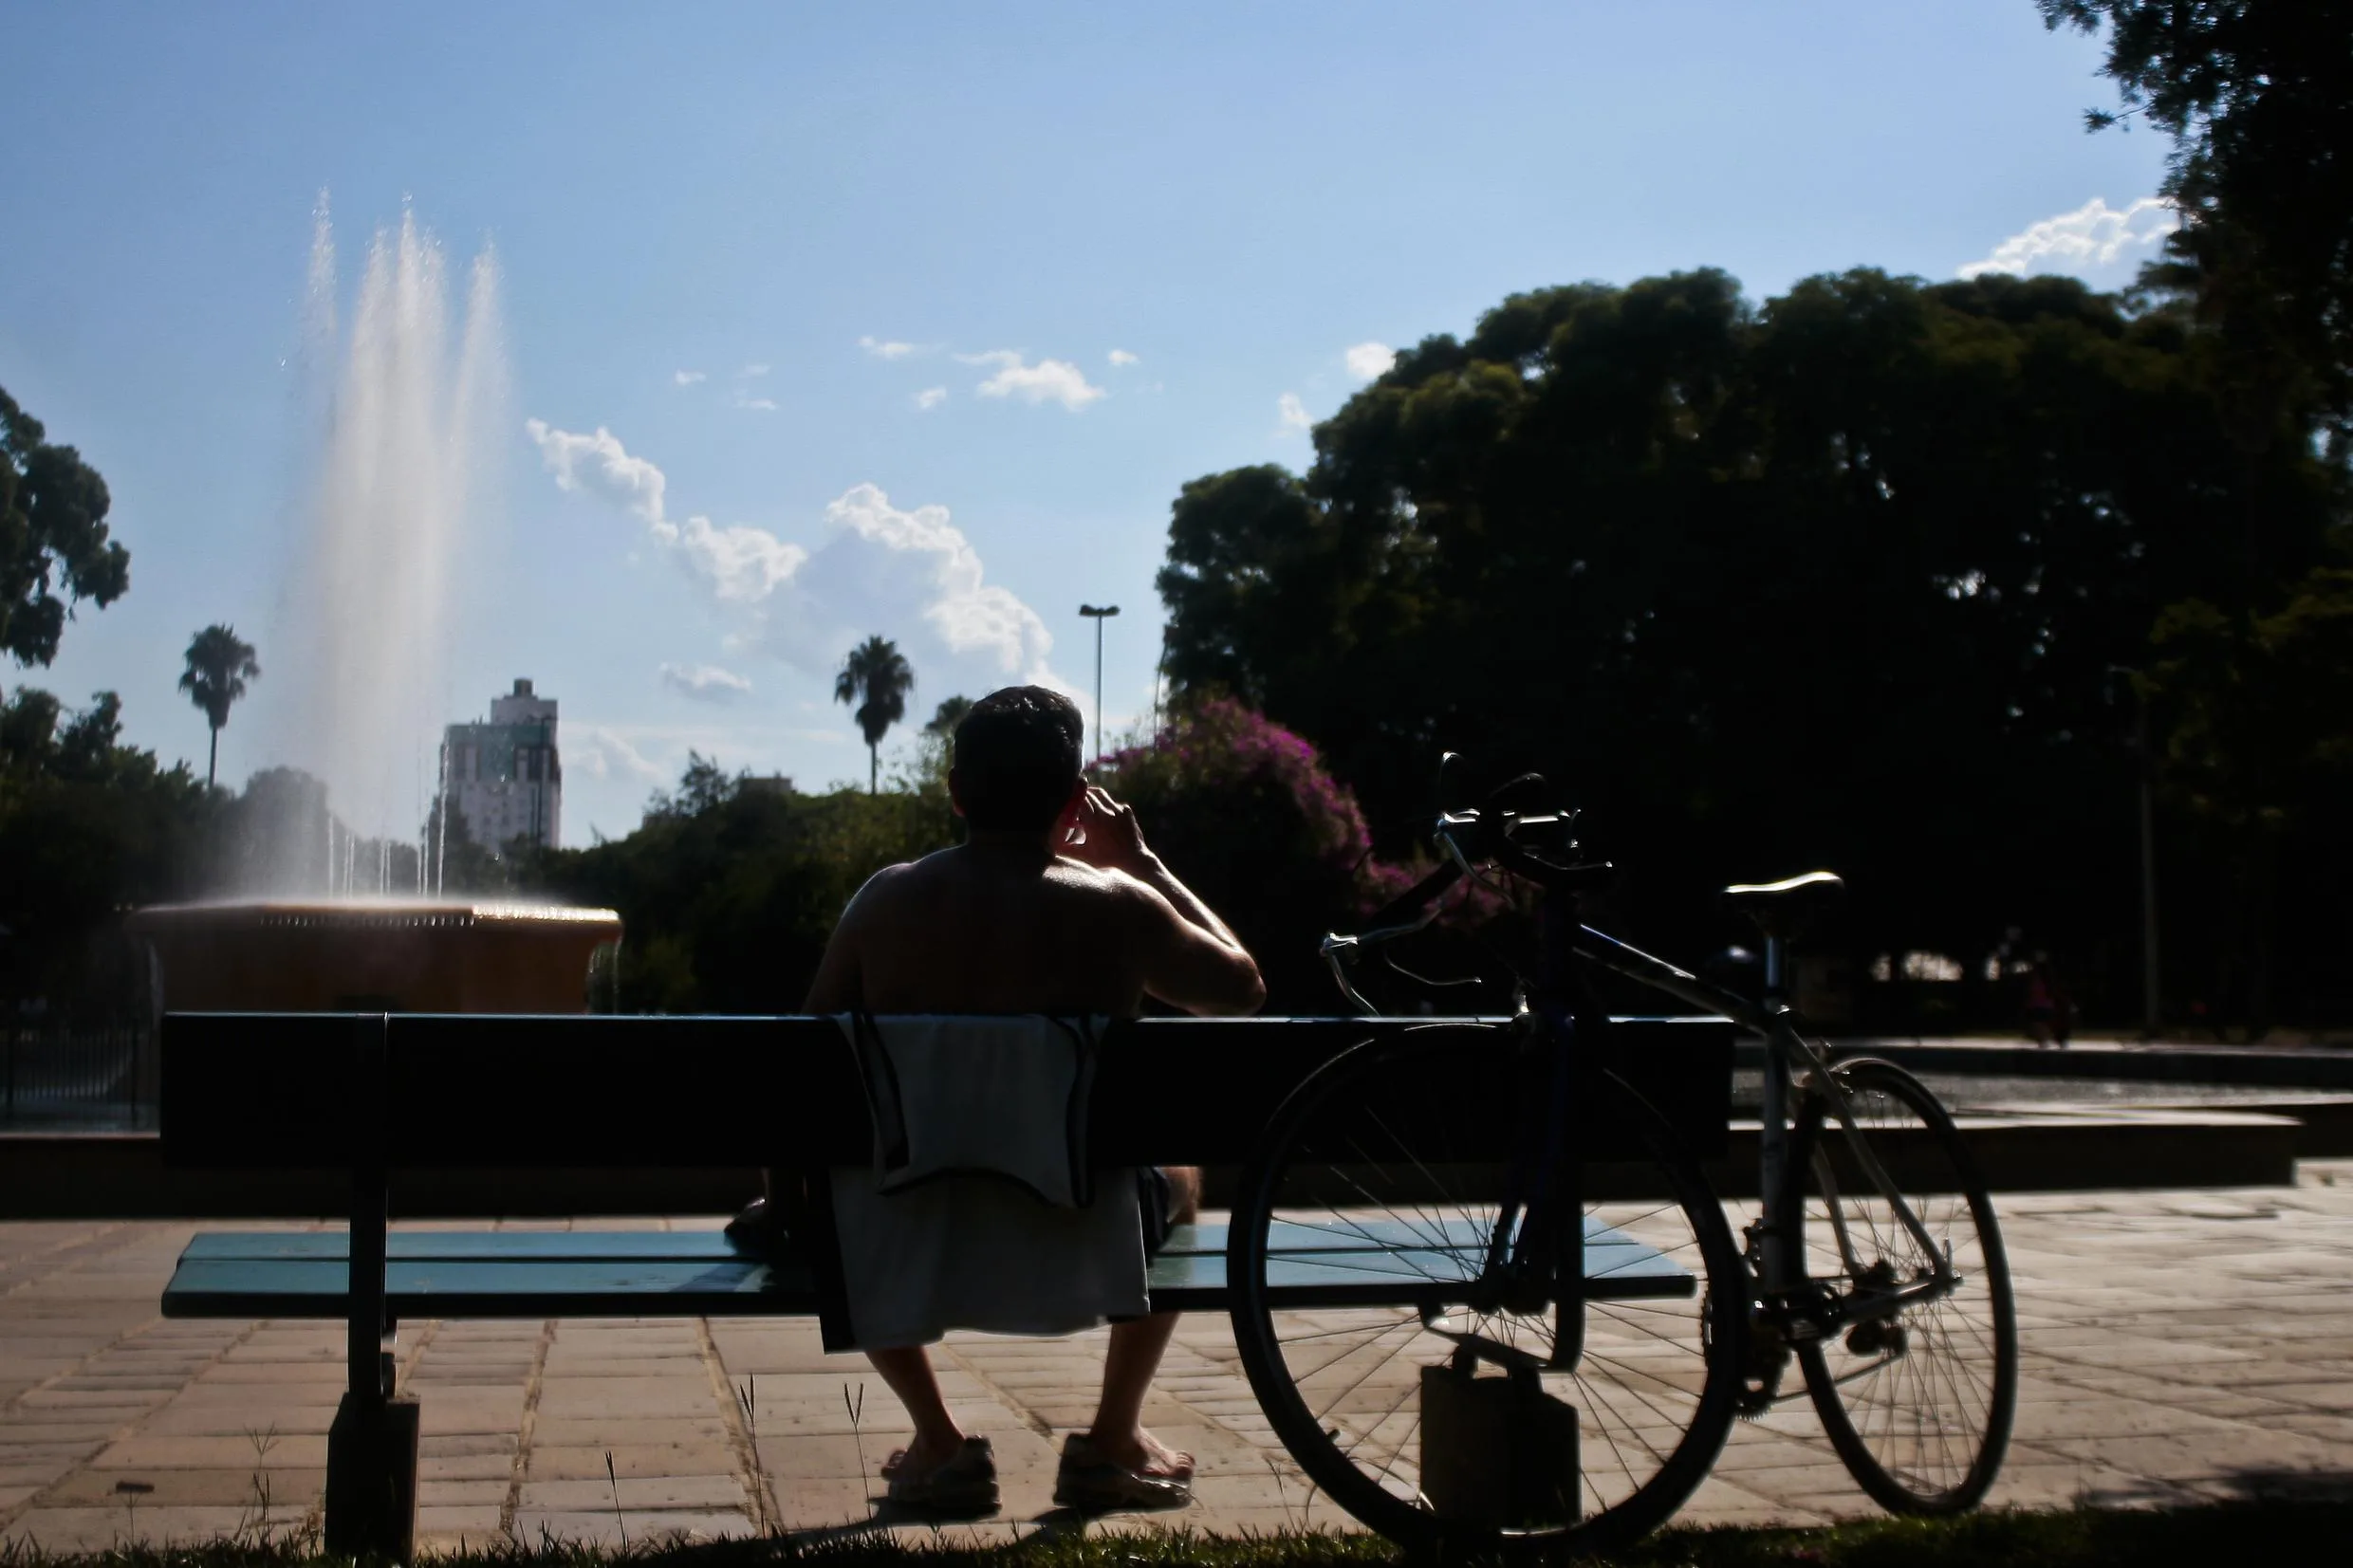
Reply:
x=981, y=1094
x=980, y=1211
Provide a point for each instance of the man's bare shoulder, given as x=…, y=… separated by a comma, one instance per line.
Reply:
x=890, y=886
x=1103, y=882
x=1123, y=898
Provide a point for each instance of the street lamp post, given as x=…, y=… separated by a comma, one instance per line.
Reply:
x=2152, y=998
x=1099, y=613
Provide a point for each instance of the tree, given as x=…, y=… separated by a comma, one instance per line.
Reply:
x=879, y=680
x=218, y=667
x=52, y=537
x=947, y=716
x=1833, y=579
x=729, y=894
x=87, y=827
x=2257, y=96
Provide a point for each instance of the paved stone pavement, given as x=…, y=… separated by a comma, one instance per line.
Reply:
x=2176, y=1346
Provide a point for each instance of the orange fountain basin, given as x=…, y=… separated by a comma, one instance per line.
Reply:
x=371, y=955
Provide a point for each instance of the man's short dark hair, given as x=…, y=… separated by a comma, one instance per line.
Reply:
x=1016, y=759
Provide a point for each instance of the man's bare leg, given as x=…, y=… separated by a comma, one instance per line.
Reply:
x=908, y=1370
x=1134, y=1356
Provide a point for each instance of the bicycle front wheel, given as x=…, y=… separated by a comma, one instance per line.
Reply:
x=1916, y=1401
x=1362, y=1263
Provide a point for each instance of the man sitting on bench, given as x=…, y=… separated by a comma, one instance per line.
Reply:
x=1053, y=904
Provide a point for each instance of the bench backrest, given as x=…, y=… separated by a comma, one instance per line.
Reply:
x=260, y=1091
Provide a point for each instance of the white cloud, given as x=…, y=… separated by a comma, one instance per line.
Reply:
x=687, y=377
x=931, y=398
x=910, y=576
x=1121, y=357
x=751, y=371
x=597, y=465
x=1048, y=381
x=899, y=572
x=738, y=564
x=2093, y=237
x=705, y=682
x=1369, y=361
x=1293, y=414
x=765, y=405
x=882, y=350
x=602, y=752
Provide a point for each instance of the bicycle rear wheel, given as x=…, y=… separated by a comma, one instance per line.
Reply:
x=1402, y=1151
x=1918, y=1404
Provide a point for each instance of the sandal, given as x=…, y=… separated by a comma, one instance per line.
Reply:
x=962, y=1486
x=1089, y=1482
x=759, y=1230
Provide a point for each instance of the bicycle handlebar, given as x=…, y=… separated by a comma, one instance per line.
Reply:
x=1469, y=838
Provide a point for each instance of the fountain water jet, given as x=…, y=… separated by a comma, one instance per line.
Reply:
x=395, y=504
x=398, y=504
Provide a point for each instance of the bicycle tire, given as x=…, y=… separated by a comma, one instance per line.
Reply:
x=1658, y=1379
x=1881, y=1413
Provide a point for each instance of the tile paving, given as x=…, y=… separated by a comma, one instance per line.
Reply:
x=2176, y=1346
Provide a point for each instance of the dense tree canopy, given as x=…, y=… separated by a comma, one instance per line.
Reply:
x=729, y=892
x=1844, y=579
x=88, y=826
x=2257, y=96
x=54, y=548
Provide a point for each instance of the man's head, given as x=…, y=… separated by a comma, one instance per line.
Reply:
x=1016, y=760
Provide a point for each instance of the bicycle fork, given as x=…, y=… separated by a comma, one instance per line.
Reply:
x=1781, y=1270
x=1772, y=1158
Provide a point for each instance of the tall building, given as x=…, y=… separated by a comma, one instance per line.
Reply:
x=504, y=776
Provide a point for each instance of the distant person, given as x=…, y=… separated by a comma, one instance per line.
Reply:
x=1053, y=904
x=2042, y=1005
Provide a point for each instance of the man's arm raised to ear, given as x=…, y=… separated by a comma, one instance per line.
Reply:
x=1190, y=958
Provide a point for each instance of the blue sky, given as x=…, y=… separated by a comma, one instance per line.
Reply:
x=714, y=223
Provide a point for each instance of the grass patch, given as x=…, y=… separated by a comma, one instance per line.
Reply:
x=2279, y=1532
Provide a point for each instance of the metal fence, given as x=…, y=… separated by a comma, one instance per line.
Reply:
x=74, y=1080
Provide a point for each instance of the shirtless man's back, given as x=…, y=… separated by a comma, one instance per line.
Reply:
x=995, y=926
x=1054, y=904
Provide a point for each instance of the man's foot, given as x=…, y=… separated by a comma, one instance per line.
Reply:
x=958, y=1484
x=1099, y=1478
x=759, y=1229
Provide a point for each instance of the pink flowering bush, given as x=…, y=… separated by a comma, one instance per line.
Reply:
x=1244, y=811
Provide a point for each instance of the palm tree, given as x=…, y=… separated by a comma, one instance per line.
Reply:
x=878, y=678
x=949, y=714
x=219, y=664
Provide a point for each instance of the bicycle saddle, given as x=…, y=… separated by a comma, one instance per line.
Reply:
x=1785, y=908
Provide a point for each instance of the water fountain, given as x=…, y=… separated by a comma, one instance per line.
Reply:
x=374, y=955
x=409, y=401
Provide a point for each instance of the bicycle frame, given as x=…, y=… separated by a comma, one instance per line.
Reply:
x=1785, y=1047
x=1782, y=1274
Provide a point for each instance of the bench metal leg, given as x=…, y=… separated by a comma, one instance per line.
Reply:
x=371, y=1479
x=371, y=1450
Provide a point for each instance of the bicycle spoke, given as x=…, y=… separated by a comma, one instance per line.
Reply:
x=1392, y=1167
x=1922, y=1419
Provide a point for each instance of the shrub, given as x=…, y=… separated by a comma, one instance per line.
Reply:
x=1245, y=812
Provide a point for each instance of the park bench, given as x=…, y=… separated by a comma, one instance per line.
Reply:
x=381, y=1094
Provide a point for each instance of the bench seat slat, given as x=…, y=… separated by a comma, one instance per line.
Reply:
x=586, y=1246
x=516, y=1246
x=251, y=1287
x=626, y=1274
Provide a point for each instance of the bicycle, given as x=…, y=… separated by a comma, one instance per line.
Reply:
x=1570, y=1385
